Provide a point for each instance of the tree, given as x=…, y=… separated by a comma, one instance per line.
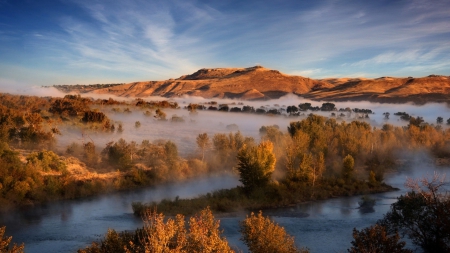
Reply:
x=375, y=239
x=89, y=153
x=423, y=214
x=304, y=106
x=203, y=143
x=348, y=169
x=415, y=121
x=171, y=235
x=261, y=235
x=318, y=167
x=255, y=165
x=160, y=114
x=328, y=107
x=292, y=109
x=439, y=120
x=120, y=153
x=205, y=235
x=4, y=243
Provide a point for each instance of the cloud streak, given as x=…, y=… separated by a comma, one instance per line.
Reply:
x=154, y=40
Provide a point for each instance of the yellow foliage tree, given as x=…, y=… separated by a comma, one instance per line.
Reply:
x=261, y=235
x=172, y=237
x=256, y=164
x=4, y=243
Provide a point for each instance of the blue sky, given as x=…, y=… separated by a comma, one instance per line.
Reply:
x=50, y=42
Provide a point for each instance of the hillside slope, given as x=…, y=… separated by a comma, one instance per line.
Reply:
x=262, y=83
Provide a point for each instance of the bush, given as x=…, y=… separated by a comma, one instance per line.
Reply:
x=375, y=239
x=261, y=235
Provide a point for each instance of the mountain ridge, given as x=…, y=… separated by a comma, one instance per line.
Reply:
x=259, y=83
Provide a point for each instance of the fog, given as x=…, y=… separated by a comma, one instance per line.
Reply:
x=212, y=122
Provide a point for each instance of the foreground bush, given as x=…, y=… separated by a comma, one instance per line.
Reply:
x=167, y=235
x=4, y=244
x=261, y=235
x=423, y=214
x=375, y=239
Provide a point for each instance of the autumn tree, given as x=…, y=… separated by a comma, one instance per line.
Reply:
x=261, y=235
x=423, y=214
x=46, y=161
x=89, y=153
x=203, y=143
x=120, y=153
x=4, y=244
x=375, y=239
x=348, y=169
x=171, y=235
x=160, y=114
x=205, y=235
x=255, y=165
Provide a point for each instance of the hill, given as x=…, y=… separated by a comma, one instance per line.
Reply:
x=263, y=84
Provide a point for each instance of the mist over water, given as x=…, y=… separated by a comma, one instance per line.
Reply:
x=211, y=122
x=322, y=226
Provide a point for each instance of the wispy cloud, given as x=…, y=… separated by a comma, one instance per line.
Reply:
x=141, y=40
x=137, y=37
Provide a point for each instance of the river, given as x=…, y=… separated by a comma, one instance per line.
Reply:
x=66, y=226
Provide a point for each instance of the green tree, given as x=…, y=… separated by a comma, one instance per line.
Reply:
x=261, y=235
x=255, y=165
x=375, y=239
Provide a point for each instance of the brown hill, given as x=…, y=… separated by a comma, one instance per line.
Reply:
x=261, y=83
x=246, y=83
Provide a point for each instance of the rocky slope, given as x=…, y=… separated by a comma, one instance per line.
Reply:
x=261, y=83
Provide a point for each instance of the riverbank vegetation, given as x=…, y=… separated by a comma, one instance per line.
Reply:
x=304, y=161
x=317, y=158
x=422, y=214
x=314, y=157
x=202, y=234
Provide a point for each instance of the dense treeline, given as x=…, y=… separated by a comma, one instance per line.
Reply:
x=32, y=172
x=309, y=157
x=316, y=158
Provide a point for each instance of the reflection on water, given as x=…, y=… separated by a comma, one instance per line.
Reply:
x=322, y=226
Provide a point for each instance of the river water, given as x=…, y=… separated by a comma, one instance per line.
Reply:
x=66, y=226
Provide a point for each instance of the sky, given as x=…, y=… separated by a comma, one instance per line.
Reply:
x=49, y=42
